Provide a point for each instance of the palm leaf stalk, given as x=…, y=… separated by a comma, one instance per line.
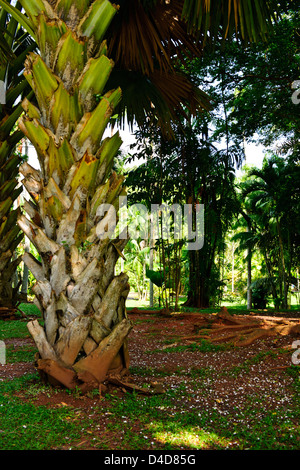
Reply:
x=85, y=330
x=14, y=47
x=248, y=20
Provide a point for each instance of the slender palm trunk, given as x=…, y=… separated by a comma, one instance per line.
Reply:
x=249, y=274
x=282, y=260
x=271, y=275
x=249, y=280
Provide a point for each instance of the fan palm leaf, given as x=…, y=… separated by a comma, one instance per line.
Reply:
x=150, y=38
x=146, y=38
x=249, y=20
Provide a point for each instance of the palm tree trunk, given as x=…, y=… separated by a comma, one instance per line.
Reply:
x=151, y=285
x=249, y=274
x=249, y=280
x=232, y=268
x=81, y=299
x=284, y=276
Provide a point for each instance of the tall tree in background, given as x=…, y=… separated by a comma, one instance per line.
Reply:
x=258, y=83
x=15, y=45
x=273, y=195
x=189, y=170
x=209, y=173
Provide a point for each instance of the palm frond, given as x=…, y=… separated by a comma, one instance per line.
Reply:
x=22, y=19
x=150, y=38
x=249, y=20
x=6, y=54
x=145, y=34
x=144, y=39
x=162, y=96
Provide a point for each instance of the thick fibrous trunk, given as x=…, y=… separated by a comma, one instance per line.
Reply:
x=81, y=299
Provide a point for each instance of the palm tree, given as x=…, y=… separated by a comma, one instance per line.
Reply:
x=15, y=44
x=255, y=236
x=150, y=40
x=82, y=301
x=271, y=193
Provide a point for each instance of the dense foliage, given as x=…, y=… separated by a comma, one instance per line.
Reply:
x=251, y=222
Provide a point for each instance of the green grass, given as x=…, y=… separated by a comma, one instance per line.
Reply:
x=258, y=358
x=21, y=354
x=13, y=329
x=167, y=421
x=24, y=426
x=18, y=328
x=201, y=346
x=30, y=309
x=235, y=308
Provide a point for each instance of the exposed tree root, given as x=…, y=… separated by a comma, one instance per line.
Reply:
x=156, y=387
x=109, y=362
x=9, y=313
x=57, y=375
x=244, y=330
x=240, y=330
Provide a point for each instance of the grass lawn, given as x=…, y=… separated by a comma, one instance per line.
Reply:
x=233, y=307
x=251, y=402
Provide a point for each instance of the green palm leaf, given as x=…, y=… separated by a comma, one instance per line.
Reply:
x=15, y=44
x=19, y=17
x=249, y=20
x=144, y=38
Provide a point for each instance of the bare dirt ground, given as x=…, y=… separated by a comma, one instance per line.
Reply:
x=168, y=369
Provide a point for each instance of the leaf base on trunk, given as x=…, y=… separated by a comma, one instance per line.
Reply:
x=110, y=358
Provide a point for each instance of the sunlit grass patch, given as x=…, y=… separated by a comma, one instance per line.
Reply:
x=201, y=346
x=30, y=309
x=175, y=435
